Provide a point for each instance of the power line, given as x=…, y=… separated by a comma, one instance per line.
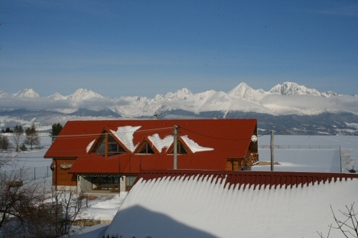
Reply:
x=99, y=134
x=214, y=137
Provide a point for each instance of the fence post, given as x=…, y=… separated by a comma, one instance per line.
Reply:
x=34, y=173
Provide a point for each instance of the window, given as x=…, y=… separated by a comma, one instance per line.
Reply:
x=113, y=147
x=181, y=149
x=145, y=148
x=108, y=146
x=105, y=183
x=101, y=146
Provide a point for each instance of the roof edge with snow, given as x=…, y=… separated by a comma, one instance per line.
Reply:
x=258, y=179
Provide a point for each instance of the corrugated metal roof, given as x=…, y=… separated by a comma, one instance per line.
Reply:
x=257, y=179
x=172, y=205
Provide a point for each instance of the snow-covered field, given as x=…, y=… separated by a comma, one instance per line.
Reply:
x=309, y=153
x=294, y=153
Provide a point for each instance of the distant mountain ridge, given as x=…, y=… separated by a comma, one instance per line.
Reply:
x=27, y=93
x=242, y=90
x=287, y=100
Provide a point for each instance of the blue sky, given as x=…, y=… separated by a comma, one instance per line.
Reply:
x=144, y=48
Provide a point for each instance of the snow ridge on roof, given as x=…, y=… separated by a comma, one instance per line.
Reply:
x=254, y=179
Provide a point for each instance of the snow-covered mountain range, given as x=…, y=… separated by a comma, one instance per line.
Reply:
x=283, y=100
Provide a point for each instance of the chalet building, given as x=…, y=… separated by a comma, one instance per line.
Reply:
x=108, y=155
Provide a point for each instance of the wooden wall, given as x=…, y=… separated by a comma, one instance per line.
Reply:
x=60, y=175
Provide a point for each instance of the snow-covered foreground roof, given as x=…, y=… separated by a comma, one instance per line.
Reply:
x=205, y=206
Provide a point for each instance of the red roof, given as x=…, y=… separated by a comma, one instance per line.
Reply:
x=229, y=138
x=256, y=178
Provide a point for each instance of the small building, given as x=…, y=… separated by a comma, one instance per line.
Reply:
x=107, y=155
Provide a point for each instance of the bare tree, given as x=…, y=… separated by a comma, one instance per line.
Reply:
x=17, y=137
x=348, y=225
x=14, y=196
x=32, y=138
x=33, y=208
x=53, y=216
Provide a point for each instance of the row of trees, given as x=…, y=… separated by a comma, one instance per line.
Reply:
x=21, y=137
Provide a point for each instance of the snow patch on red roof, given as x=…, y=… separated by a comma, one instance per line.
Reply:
x=89, y=146
x=194, y=147
x=125, y=135
x=161, y=143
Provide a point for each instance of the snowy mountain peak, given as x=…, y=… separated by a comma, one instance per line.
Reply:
x=27, y=93
x=184, y=93
x=329, y=93
x=240, y=90
x=57, y=96
x=290, y=88
x=246, y=92
x=83, y=94
x=3, y=94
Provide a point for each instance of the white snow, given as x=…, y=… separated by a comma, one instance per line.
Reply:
x=89, y=146
x=282, y=99
x=57, y=96
x=27, y=93
x=161, y=143
x=168, y=140
x=355, y=125
x=290, y=88
x=188, y=207
x=125, y=135
x=83, y=94
x=103, y=208
x=246, y=92
x=194, y=147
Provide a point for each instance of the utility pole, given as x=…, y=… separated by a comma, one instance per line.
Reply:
x=175, y=154
x=272, y=145
x=340, y=159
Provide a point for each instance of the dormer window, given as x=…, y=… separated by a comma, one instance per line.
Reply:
x=181, y=149
x=108, y=146
x=145, y=148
